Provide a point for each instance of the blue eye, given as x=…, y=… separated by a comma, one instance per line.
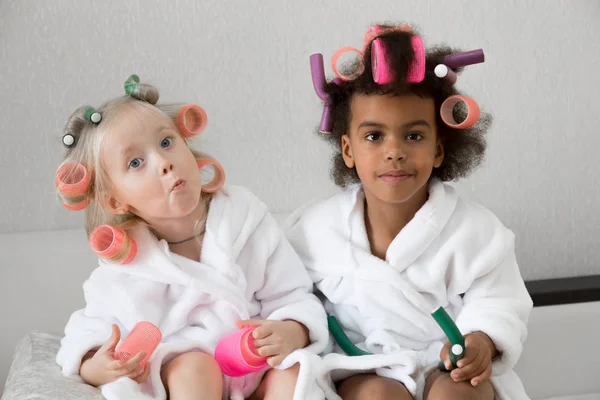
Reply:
x=135, y=163
x=166, y=142
x=373, y=136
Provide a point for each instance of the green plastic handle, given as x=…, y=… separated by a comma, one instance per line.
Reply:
x=342, y=340
x=457, y=340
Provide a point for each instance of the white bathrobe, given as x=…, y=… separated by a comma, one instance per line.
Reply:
x=247, y=269
x=453, y=253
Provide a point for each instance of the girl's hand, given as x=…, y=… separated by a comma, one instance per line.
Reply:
x=101, y=367
x=476, y=365
x=277, y=339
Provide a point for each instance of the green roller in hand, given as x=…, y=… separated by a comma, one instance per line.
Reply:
x=457, y=341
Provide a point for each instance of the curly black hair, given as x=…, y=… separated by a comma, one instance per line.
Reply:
x=464, y=149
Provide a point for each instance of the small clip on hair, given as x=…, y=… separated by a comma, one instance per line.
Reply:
x=68, y=140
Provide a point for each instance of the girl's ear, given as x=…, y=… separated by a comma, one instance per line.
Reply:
x=439, y=155
x=113, y=205
x=347, y=151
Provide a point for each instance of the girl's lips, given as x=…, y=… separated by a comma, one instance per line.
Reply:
x=395, y=177
x=180, y=184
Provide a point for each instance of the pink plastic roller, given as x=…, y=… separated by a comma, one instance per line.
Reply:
x=110, y=242
x=191, y=120
x=145, y=336
x=236, y=354
x=77, y=205
x=447, y=108
x=334, y=62
x=218, y=179
x=72, y=179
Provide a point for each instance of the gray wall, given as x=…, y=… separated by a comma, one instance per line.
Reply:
x=246, y=62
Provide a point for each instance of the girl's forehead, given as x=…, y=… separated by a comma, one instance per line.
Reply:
x=401, y=107
x=138, y=119
x=133, y=125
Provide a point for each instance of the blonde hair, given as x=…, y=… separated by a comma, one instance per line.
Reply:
x=86, y=151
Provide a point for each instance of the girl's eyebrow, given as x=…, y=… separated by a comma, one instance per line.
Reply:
x=126, y=150
x=371, y=124
x=410, y=124
x=418, y=122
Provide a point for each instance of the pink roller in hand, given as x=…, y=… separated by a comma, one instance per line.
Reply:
x=145, y=336
x=236, y=354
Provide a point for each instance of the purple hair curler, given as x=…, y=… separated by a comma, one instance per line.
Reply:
x=443, y=72
x=466, y=58
x=317, y=70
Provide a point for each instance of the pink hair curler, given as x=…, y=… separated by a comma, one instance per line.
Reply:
x=144, y=336
x=338, y=54
x=416, y=71
x=383, y=74
x=72, y=179
x=448, y=107
x=377, y=30
x=77, y=206
x=218, y=180
x=236, y=354
x=191, y=120
x=107, y=242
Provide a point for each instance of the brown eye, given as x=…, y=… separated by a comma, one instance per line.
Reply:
x=373, y=136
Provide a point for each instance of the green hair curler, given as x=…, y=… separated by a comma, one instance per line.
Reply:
x=457, y=341
x=130, y=84
x=342, y=340
x=457, y=350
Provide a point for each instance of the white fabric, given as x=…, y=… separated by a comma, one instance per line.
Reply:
x=451, y=247
x=247, y=269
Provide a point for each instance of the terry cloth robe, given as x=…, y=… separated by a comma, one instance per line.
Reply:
x=247, y=269
x=453, y=253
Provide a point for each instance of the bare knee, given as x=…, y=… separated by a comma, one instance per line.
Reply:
x=278, y=384
x=191, y=365
x=372, y=387
x=440, y=386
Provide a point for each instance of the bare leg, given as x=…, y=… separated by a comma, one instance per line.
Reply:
x=439, y=385
x=372, y=387
x=277, y=384
x=193, y=376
